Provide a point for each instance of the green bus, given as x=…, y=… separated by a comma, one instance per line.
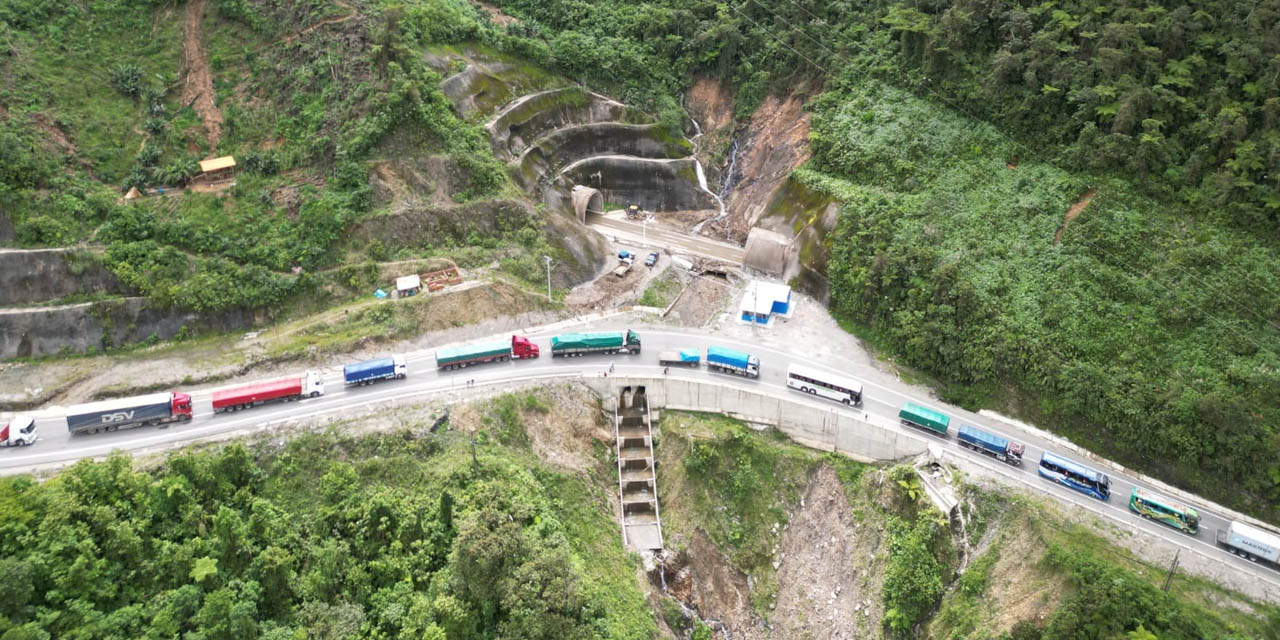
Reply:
x=1161, y=509
x=914, y=415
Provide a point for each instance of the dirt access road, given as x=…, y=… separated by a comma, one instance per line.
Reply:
x=197, y=81
x=660, y=236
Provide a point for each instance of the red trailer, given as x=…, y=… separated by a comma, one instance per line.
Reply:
x=308, y=385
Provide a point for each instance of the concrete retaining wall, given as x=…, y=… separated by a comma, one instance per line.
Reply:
x=76, y=328
x=810, y=424
x=36, y=275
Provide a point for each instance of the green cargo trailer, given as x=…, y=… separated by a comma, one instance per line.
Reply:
x=914, y=415
x=577, y=344
x=471, y=353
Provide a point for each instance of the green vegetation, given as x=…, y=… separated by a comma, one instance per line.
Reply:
x=920, y=555
x=1085, y=586
x=736, y=486
x=403, y=534
x=951, y=259
x=92, y=107
x=662, y=291
x=1145, y=328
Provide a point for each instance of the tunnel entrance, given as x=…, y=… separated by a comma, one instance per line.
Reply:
x=586, y=200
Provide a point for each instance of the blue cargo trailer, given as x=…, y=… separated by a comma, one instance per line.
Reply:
x=732, y=361
x=371, y=371
x=991, y=444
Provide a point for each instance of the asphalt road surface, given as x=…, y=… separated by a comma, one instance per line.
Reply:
x=657, y=235
x=881, y=401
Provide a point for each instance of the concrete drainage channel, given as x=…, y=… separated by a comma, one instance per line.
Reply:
x=637, y=475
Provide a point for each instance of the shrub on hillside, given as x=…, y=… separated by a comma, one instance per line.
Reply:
x=127, y=79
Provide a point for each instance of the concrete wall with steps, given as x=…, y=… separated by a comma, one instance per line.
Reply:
x=821, y=426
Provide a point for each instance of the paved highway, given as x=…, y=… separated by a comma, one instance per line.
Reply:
x=658, y=234
x=881, y=401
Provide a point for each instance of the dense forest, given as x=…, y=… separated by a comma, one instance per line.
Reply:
x=404, y=535
x=958, y=134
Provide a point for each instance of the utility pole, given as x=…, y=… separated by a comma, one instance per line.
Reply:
x=1172, y=568
x=547, y=259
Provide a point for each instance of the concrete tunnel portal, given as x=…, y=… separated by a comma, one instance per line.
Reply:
x=587, y=200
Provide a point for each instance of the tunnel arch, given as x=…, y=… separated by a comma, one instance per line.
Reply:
x=586, y=200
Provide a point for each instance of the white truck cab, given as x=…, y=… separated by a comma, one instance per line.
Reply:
x=402, y=366
x=20, y=431
x=312, y=384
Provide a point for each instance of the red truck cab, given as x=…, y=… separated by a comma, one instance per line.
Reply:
x=522, y=347
x=181, y=406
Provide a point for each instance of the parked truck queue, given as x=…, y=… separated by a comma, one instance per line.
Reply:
x=1251, y=542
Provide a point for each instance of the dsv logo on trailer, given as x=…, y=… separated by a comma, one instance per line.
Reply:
x=119, y=416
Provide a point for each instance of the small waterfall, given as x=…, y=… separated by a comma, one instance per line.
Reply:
x=727, y=183
x=702, y=180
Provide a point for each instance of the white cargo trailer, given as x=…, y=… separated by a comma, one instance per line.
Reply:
x=1250, y=542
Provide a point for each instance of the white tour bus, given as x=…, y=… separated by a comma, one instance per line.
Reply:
x=828, y=385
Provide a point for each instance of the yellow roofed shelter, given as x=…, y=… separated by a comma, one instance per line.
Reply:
x=216, y=169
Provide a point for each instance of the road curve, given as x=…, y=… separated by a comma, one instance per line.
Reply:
x=56, y=446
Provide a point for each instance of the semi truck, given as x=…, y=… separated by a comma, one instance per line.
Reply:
x=18, y=432
x=122, y=413
x=581, y=344
x=1250, y=542
x=518, y=348
x=999, y=447
x=682, y=358
x=308, y=385
x=914, y=415
x=371, y=371
x=731, y=361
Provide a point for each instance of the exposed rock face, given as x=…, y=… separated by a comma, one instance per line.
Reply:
x=661, y=185
x=528, y=117
x=36, y=275
x=552, y=151
x=76, y=328
x=808, y=218
x=775, y=143
x=585, y=251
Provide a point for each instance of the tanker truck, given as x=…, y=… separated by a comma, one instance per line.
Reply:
x=308, y=385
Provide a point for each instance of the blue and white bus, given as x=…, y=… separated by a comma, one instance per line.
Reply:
x=831, y=386
x=1074, y=475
